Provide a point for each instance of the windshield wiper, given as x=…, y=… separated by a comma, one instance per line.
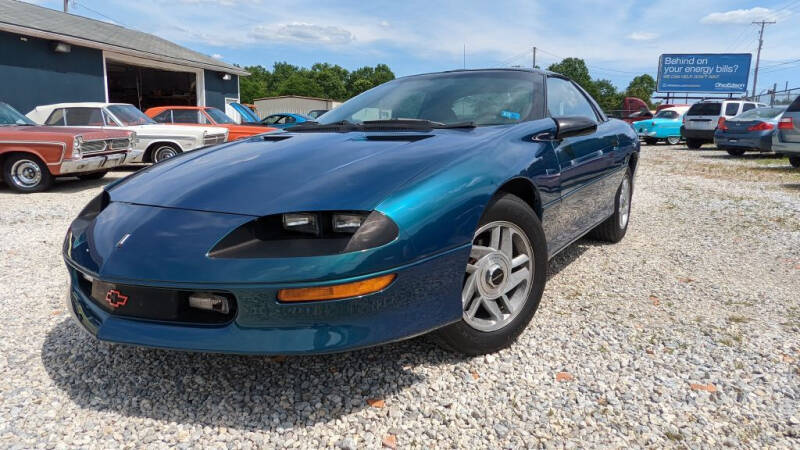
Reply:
x=342, y=126
x=413, y=124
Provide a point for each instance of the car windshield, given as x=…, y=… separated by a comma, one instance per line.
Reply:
x=666, y=114
x=760, y=113
x=484, y=98
x=129, y=115
x=219, y=116
x=10, y=116
x=705, y=109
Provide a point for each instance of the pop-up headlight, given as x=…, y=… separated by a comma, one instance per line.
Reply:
x=301, y=222
x=347, y=223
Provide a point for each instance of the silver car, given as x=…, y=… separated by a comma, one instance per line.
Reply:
x=786, y=139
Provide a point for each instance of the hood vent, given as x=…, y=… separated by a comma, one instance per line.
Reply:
x=274, y=137
x=397, y=137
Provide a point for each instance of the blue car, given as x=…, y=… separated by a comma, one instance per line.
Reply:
x=284, y=120
x=431, y=203
x=749, y=131
x=664, y=126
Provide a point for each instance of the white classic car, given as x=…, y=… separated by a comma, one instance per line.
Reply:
x=157, y=142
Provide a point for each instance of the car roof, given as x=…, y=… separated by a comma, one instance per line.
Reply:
x=80, y=105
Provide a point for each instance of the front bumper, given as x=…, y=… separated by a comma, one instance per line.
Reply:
x=94, y=163
x=706, y=135
x=425, y=295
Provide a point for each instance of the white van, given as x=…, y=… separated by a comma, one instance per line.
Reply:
x=700, y=122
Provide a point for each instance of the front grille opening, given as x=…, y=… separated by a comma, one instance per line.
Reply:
x=157, y=304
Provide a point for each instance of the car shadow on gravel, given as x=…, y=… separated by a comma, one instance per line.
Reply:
x=242, y=392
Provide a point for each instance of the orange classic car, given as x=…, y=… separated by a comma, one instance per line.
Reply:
x=204, y=115
x=31, y=156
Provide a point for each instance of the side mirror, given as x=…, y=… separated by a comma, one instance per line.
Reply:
x=574, y=126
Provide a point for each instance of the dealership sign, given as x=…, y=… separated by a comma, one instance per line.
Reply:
x=713, y=73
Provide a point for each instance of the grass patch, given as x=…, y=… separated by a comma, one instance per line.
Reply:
x=738, y=319
x=673, y=436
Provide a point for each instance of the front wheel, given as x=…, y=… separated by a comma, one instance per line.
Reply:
x=503, y=281
x=735, y=151
x=615, y=227
x=165, y=151
x=794, y=161
x=673, y=140
x=26, y=174
x=650, y=141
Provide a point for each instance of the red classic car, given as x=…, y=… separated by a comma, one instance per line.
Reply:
x=31, y=156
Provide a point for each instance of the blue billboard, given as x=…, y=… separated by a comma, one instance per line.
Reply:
x=708, y=73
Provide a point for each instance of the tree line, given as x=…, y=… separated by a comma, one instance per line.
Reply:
x=335, y=82
x=606, y=94
x=321, y=80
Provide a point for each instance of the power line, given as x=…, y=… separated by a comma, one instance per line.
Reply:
x=76, y=3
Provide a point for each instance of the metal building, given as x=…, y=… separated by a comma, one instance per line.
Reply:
x=48, y=56
x=296, y=104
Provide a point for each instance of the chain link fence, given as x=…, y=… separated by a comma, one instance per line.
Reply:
x=777, y=98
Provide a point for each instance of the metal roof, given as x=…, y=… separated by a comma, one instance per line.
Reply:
x=32, y=20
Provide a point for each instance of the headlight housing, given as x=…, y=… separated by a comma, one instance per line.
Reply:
x=76, y=147
x=307, y=234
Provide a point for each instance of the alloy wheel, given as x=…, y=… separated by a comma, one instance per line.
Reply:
x=499, y=276
x=673, y=140
x=26, y=173
x=624, y=202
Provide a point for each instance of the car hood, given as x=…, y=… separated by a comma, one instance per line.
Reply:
x=172, y=130
x=288, y=172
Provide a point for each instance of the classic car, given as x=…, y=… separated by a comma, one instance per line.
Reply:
x=786, y=140
x=157, y=142
x=314, y=113
x=664, y=126
x=350, y=233
x=284, y=120
x=750, y=130
x=32, y=156
x=203, y=116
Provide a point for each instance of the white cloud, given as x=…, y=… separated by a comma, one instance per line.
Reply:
x=216, y=56
x=739, y=16
x=303, y=32
x=642, y=36
x=384, y=23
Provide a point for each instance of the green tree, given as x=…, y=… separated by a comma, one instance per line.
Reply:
x=642, y=87
x=256, y=85
x=607, y=95
x=576, y=70
x=300, y=83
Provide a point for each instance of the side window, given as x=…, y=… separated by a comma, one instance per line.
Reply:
x=84, y=117
x=185, y=116
x=164, y=117
x=731, y=109
x=290, y=119
x=748, y=107
x=56, y=118
x=271, y=120
x=564, y=99
x=108, y=120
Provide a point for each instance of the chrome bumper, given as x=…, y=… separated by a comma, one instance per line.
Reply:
x=99, y=162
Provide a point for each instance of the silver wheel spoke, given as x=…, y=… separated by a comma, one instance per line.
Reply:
x=495, y=242
x=471, y=309
x=471, y=268
x=506, y=242
x=469, y=290
x=507, y=303
x=519, y=260
x=479, y=251
x=493, y=310
x=516, y=278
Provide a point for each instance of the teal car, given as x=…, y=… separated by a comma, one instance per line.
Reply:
x=664, y=126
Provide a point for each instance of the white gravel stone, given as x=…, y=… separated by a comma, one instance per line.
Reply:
x=701, y=294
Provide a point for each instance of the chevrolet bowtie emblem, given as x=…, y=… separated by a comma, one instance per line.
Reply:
x=116, y=299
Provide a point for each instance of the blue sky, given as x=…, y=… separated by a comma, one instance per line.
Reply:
x=618, y=39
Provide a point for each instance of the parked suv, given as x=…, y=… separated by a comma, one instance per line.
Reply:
x=702, y=119
x=786, y=139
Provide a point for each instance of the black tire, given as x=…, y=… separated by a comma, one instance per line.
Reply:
x=461, y=337
x=93, y=175
x=673, y=140
x=160, y=151
x=615, y=227
x=650, y=141
x=26, y=173
x=794, y=161
x=694, y=144
x=735, y=151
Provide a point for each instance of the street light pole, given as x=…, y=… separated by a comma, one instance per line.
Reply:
x=66, y=5
x=758, y=55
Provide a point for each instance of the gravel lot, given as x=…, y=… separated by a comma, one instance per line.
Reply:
x=685, y=334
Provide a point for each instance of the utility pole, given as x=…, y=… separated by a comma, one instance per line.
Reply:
x=758, y=56
x=534, y=57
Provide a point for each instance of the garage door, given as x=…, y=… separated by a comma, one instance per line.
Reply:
x=146, y=87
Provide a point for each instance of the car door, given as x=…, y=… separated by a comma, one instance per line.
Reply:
x=584, y=161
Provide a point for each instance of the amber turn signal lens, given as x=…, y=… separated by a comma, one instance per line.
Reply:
x=336, y=291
